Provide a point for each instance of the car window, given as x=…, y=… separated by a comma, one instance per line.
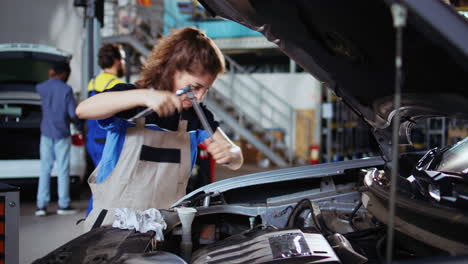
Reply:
x=23, y=70
x=19, y=114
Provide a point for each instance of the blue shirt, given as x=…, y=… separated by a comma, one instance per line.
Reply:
x=58, y=108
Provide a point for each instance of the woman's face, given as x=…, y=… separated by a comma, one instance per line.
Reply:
x=200, y=85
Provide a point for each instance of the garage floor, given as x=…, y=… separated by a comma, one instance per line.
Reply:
x=40, y=235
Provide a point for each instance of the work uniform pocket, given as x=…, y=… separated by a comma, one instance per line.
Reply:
x=100, y=141
x=152, y=154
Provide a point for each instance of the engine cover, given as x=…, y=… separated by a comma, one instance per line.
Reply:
x=269, y=246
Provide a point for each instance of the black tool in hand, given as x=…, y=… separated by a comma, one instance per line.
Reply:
x=201, y=116
x=188, y=90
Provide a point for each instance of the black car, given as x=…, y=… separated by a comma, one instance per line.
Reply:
x=375, y=55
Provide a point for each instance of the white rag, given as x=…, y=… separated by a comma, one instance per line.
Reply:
x=141, y=221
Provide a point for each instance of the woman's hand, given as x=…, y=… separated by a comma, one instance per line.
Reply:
x=220, y=151
x=162, y=102
x=224, y=151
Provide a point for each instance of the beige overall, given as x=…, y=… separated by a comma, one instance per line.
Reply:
x=143, y=179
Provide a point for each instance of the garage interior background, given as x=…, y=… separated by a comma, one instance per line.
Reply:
x=253, y=96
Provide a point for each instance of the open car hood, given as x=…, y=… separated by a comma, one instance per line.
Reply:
x=350, y=46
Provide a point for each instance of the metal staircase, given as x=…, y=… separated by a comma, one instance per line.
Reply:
x=256, y=110
x=255, y=138
x=248, y=111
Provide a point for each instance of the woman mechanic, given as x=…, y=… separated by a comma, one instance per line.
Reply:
x=147, y=164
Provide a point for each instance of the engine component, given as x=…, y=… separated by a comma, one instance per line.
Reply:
x=344, y=249
x=265, y=246
x=315, y=215
x=186, y=215
x=151, y=258
x=100, y=245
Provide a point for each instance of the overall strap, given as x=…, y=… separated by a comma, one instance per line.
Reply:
x=182, y=125
x=100, y=219
x=140, y=122
x=109, y=82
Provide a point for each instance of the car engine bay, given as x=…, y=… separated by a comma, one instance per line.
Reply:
x=332, y=213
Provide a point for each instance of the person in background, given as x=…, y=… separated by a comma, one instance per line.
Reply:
x=58, y=110
x=111, y=61
x=112, y=64
x=147, y=163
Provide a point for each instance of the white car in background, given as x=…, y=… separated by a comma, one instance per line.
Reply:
x=22, y=66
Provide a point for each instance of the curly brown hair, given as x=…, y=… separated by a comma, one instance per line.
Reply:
x=185, y=49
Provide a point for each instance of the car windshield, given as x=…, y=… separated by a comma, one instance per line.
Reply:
x=455, y=159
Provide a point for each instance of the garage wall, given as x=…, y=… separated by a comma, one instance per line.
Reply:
x=50, y=22
x=299, y=90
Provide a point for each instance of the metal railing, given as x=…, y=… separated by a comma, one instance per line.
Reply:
x=267, y=109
